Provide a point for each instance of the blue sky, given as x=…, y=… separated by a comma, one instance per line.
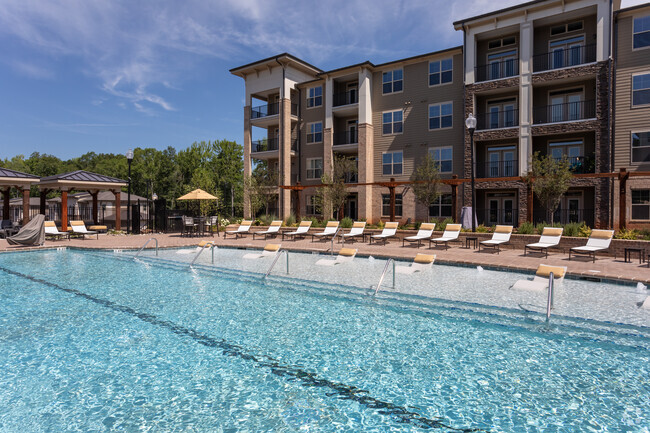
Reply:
x=105, y=76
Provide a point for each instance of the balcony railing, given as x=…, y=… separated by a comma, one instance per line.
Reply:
x=490, y=217
x=565, y=216
x=269, y=144
x=345, y=98
x=497, y=70
x=564, y=57
x=505, y=168
x=270, y=110
x=498, y=119
x=567, y=112
x=581, y=164
x=345, y=137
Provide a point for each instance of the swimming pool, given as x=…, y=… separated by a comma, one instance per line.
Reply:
x=97, y=342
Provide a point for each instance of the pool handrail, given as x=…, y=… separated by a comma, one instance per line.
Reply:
x=275, y=260
x=332, y=240
x=549, y=301
x=383, y=275
x=204, y=246
x=145, y=244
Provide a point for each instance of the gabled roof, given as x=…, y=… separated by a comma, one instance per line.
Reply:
x=83, y=176
x=458, y=24
x=5, y=172
x=82, y=180
x=272, y=61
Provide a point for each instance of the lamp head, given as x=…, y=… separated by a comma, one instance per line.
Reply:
x=129, y=154
x=470, y=122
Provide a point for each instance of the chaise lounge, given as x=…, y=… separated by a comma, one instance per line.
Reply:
x=550, y=238
x=599, y=240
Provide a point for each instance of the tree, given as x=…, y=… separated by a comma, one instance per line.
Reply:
x=333, y=193
x=550, y=179
x=263, y=187
x=426, y=182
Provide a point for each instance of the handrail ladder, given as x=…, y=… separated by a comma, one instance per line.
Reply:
x=549, y=301
x=207, y=244
x=277, y=256
x=383, y=275
x=145, y=244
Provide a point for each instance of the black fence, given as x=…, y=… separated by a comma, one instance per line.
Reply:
x=565, y=57
x=505, y=168
x=497, y=70
x=270, y=144
x=345, y=98
x=490, y=217
x=265, y=110
x=345, y=137
x=566, y=112
x=498, y=119
x=565, y=216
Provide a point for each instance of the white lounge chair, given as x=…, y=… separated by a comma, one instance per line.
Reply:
x=451, y=233
x=599, y=240
x=550, y=238
x=269, y=250
x=357, y=230
x=242, y=230
x=540, y=281
x=421, y=263
x=53, y=232
x=425, y=232
x=79, y=228
x=389, y=231
x=330, y=231
x=272, y=231
x=301, y=232
x=500, y=236
x=345, y=255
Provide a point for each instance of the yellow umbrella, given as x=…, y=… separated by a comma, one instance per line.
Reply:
x=197, y=194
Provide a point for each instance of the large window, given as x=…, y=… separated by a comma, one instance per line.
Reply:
x=502, y=65
x=567, y=52
x=314, y=168
x=641, y=32
x=641, y=147
x=443, y=157
x=385, y=205
x=641, y=204
x=442, y=207
x=440, y=116
x=571, y=149
x=315, y=132
x=392, y=122
x=315, y=96
x=392, y=81
x=441, y=72
x=641, y=89
x=391, y=163
x=311, y=207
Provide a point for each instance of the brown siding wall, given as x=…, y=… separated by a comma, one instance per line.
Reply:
x=310, y=115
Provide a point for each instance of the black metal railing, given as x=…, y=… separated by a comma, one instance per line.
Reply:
x=270, y=144
x=294, y=109
x=265, y=110
x=345, y=98
x=566, y=112
x=581, y=164
x=490, y=217
x=505, y=168
x=497, y=70
x=345, y=137
x=563, y=58
x=498, y=119
x=565, y=216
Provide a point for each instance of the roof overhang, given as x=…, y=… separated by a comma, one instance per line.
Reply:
x=18, y=182
x=74, y=184
x=284, y=59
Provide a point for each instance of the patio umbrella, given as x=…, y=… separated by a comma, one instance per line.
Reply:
x=197, y=194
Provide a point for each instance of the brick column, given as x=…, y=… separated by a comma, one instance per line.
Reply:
x=25, y=205
x=247, y=157
x=328, y=154
x=285, y=157
x=64, y=211
x=118, y=210
x=366, y=170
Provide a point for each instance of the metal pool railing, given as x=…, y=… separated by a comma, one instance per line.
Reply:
x=549, y=301
x=207, y=244
x=275, y=260
x=143, y=247
x=383, y=275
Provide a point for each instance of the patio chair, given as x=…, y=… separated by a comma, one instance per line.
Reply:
x=345, y=255
x=272, y=231
x=52, y=232
x=389, y=231
x=269, y=250
x=242, y=230
x=500, y=236
x=7, y=228
x=451, y=233
x=79, y=229
x=330, y=231
x=599, y=240
x=421, y=263
x=550, y=238
x=211, y=222
x=425, y=232
x=540, y=281
x=301, y=232
x=190, y=228
x=357, y=230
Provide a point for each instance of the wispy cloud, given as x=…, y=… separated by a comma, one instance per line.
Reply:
x=30, y=70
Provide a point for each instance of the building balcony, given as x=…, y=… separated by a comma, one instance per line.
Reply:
x=268, y=148
x=268, y=114
x=497, y=119
x=564, y=58
x=345, y=141
x=498, y=70
x=505, y=168
x=567, y=112
x=582, y=164
x=345, y=98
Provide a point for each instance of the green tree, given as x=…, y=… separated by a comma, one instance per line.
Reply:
x=333, y=193
x=426, y=182
x=550, y=179
x=265, y=185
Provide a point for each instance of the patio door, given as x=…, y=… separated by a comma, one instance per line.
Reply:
x=352, y=131
x=501, y=209
x=501, y=161
x=352, y=96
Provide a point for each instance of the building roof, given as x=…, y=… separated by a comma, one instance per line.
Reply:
x=498, y=12
x=239, y=70
x=5, y=172
x=632, y=8
x=83, y=176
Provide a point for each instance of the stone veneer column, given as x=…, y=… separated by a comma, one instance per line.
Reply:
x=247, y=156
x=285, y=157
x=328, y=156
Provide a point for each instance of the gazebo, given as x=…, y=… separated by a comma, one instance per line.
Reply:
x=22, y=181
x=83, y=181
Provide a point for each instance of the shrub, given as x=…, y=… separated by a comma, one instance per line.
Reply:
x=526, y=228
x=417, y=225
x=645, y=234
x=572, y=229
x=585, y=231
x=540, y=226
x=346, y=223
x=291, y=220
x=224, y=222
x=482, y=229
x=380, y=225
x=631, y=234
x=267, y=219
x=442, y=225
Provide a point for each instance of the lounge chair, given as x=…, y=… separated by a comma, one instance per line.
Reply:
x=242, y=230
x=451, y=233
x=79, y=229
x=500, y=236
x=550, y=238
x=330, y=231
x=540, y=281
x=345, y=255
x=52, y=232
x=421, y=263
x=389, y=231
x=272, y=231
x=599, y=240
x=425, y=232
x=269, y=250
x=357, y=230
x=301, y=232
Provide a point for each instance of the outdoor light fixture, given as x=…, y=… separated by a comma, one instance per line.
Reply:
x=470, y=123
x=129, y=158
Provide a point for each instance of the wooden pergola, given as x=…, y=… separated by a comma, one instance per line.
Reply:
x=82, y=181
x=16, y=179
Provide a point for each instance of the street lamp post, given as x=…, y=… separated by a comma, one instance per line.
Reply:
x=129, y=158
x=470, y=123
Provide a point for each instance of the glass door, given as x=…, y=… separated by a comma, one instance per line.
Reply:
x=493, y=212
x=352, y=131
x=352, y=93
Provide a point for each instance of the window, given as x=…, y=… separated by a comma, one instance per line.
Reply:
x=571, y=149
x=392, y=81
x=441, y=72
x=498, y=43
x=641, y=147
x=641, y=32
x=392, y=122
x=314, y=168
x=311, y=207
x=567, y=52
x=566, y=105
x=641, y=204
x=443, y=158
x=385, y=205
x=391, y=163
x=502, y=113
x=502, y=65
x=315, y=132
x=315, y=96
x=565, y=28
x=641, y=89
x=501, y=162
x=440, y=116
x=442, y=207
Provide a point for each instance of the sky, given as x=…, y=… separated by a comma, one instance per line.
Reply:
x=105, y=76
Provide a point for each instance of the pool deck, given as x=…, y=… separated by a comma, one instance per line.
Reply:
x=604, y=268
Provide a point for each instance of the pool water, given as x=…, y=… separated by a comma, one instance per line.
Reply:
x=100, y=342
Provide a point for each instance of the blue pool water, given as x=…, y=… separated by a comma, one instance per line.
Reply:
x=99, y=342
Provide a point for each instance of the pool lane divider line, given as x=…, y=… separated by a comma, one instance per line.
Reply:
x=342, y=391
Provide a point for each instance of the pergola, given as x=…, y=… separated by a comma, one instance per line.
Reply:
x=82, y=181
x=16, y=179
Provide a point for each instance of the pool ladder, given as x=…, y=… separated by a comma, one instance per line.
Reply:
x=549, y=301
x=383, y=275
x=332, y=240
x=207, y=244
x=144, y=246
x=275, y=260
